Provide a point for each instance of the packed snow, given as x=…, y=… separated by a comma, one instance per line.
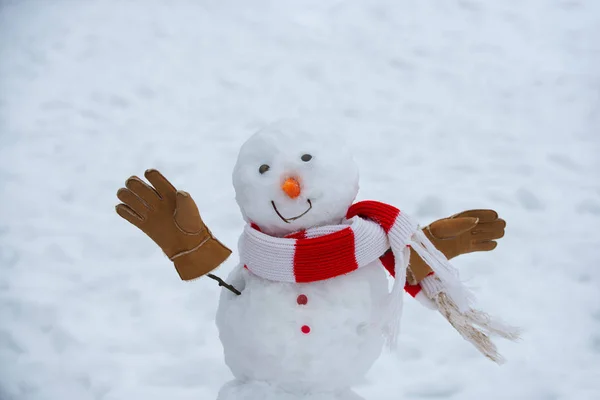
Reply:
x=446, y=106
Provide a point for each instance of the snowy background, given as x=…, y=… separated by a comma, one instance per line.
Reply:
x=466, y=103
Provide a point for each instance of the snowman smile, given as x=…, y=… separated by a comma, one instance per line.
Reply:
x=288, y=220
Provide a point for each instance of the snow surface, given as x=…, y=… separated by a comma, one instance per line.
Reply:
x=448, y=105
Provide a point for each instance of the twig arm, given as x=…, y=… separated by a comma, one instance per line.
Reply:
x=224, y=284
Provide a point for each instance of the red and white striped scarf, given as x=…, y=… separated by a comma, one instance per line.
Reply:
x=371, y=231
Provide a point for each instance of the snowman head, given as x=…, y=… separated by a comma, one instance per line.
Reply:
x=287, y=179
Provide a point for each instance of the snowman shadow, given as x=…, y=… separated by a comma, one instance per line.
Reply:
x=238, y=390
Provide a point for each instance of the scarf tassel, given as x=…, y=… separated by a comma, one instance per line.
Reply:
x=393, y=309
x=453, y=300
x=476, y=327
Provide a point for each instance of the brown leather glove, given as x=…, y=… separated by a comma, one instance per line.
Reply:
x=171, y=219
x=466, y=232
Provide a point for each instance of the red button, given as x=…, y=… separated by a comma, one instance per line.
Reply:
x=302, y=299
x=305, y=329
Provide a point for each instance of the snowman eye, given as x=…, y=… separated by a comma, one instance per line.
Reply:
x=263, y=168
x=306, y=157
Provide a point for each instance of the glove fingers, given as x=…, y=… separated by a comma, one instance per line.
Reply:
x=489, y=230
x=143, y=191
x=127, y=213
x=451, y=227
x=484, y=236
x=187, y=215
x=482, y=215
x=164, y=188
x=487, y=245
x=497, y=225
x=134, y=202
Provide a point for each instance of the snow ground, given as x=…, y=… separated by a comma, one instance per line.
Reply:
x=467, y=103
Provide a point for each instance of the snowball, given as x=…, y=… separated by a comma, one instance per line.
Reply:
x=328, y=180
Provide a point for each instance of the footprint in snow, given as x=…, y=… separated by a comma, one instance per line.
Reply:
x=595, y=344
x=563, y=162
x=145, y=92
x=118, y=102
x=9, y=342
x=589, y=207
x=53, y=105
x=529, y=200
x=8, y=257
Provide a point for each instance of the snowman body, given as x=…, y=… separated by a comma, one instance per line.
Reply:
x=300, y=337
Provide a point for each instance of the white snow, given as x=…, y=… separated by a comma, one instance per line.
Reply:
x=446, y=105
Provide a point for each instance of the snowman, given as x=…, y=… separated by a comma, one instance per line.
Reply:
x=309, y=308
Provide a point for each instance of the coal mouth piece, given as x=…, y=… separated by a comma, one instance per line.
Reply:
x=288, y=220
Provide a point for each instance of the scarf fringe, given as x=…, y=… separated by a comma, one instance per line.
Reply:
x=451, y=297
x=393, y=311
x=476, y=327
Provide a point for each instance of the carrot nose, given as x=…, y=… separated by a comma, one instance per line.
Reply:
x=291, y=187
